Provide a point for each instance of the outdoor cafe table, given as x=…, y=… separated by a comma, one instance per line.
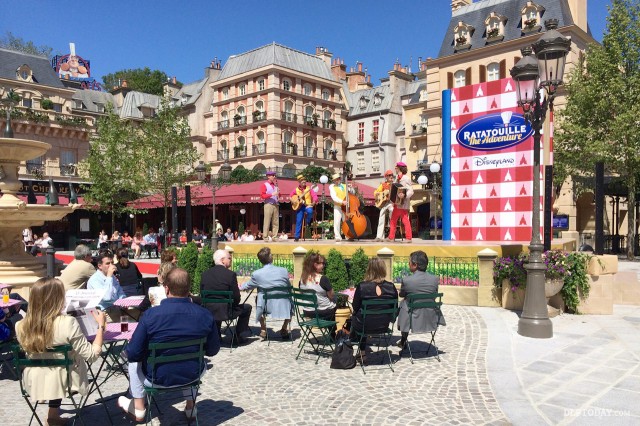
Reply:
x=11, y=302
x=114, y=342
x=129, y=302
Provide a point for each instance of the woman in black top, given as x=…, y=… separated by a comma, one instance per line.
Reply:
x=128, y=272
x=374, y=287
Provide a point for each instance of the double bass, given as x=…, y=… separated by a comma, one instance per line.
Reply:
x=354, y=224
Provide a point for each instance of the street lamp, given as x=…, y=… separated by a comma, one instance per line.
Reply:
x=531, y=77
x=323, y=180
x=225, y=171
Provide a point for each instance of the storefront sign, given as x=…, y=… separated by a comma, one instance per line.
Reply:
x=494, y=131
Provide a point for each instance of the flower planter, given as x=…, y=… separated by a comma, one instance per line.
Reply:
x=512, y=300
x=342, y=314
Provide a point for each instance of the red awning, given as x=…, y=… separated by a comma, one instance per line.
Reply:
x=236, y=194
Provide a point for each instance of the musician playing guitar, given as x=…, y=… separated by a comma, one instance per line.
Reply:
x=401, y=209
x=303, y=199
x=383, y=203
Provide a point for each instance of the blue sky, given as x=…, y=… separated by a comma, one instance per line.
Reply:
x=182, y=37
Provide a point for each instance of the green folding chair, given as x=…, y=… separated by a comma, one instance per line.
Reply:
x=63, y=360
x=222, y=297
x=372, y=308
x=308, y=300
x=275, y=293
x=6, y=357
x=157, y=357
x=424, y=301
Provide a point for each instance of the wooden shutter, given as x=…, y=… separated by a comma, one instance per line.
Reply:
x=503, y=68
x=483, y=73
x=449, y=80
x=467, y=76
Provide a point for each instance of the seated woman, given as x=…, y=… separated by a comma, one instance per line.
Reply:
x=374, y=287
x=126, y=239
x=128, y=272
x=103, y=240
x=11, y=315
x=183, y=237
x=45, y=326
x=312, y=279
x=137, y=243
x=116, y=241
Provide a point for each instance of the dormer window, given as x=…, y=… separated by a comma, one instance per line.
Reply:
x=77, y=104
x=24, y=73
x=531, y=15
x=147, y=111
x=99, y=107
x=377, y=99
x=462, y=34
x=494, y=26
x=363, y=102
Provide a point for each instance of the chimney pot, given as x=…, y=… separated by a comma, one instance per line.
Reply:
x=124, y=83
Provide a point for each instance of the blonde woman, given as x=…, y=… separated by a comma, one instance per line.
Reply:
x=44, y=327
x=374, y=287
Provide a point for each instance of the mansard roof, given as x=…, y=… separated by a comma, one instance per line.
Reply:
x=275, y=54
x=476, y=13
x=134, y=101
x=43, y=72
x=90, y=99
x=369, y=95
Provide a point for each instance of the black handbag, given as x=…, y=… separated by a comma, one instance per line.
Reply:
x=342, y=357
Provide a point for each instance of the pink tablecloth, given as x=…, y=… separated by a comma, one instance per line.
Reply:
x=349, y=292
x=113, y=331
x=10, y=303
x=129, y=302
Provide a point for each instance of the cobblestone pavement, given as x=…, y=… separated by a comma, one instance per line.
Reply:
x=260, y=384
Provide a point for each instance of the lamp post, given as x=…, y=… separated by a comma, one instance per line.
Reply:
x=531, y=76
x=225, y=172
x=323, y=180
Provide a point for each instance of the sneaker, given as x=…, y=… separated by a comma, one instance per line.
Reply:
x=401, y=344
x=191, y=413
x=296, y=240
x=126, y=404
x=408, y=241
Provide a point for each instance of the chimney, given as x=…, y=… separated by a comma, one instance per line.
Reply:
x=359, y=65
x=578, y=10
x=457, y=4
x=324, y=54
x=339, y=69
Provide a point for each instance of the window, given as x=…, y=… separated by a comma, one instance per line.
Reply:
x=286, y=85
x=375, y=161
x=376, y=126
x=363, y=102
x=377, y=100
x=494, y=25
x=57, y=107
x=36, y=164
x=99, y=107
x=360, y=162
x=326, y=95
x=459, y=78
x=27, y=103
x=462, y=34
x=493, y=71
x=240, y=118
x=261, y=84
x=241, y=141
x=67, y=157
x=328, y=149
x=308, y=114
x=24, y=73
x=261, y=146
x=531, y=13
x=225, y=93
x=361, y=132
x=308, y=146
x=288, y=146
x=77, y=104
x=260, y=106
x=307, y=89
x=224, y=120
x=242, y=89
x=260, y=137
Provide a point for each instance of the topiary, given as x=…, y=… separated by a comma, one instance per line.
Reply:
x=188, y=260
x=359, y=263
x=145, y=229
x=241, y=228
x=205, y=261
x=336, y=271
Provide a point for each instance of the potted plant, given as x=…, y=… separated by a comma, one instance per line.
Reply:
x=510, y=279
x=461, y=40
x=46, y=104
x=336, y=272
x=530, y=23
x=493, y=32
x=315, y=117
x=332, y=123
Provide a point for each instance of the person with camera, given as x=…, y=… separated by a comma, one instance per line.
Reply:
x=105, y=279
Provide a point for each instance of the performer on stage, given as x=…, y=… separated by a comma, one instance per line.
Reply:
x=401, y=209
x=269, y=193
x=303, y=199
x=338, y=194
x=382, y=202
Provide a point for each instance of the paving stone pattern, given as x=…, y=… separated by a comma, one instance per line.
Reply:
x=260, y=384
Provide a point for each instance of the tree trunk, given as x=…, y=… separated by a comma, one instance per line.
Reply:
x=631, y=215
x=113, y=220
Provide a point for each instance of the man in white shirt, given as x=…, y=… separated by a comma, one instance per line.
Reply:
x=41, y=244
x=104, y=279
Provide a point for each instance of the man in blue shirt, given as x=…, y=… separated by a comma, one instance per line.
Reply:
x=104, y=279
x=151, y=242
x=177, y=319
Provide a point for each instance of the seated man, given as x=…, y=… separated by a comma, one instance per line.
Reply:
x=221, y=278
x=426, y=319
x=104, y=279
x=78, y=272
x=270, y=276
x=41, y=244
x=151, y=242
x=176, y=319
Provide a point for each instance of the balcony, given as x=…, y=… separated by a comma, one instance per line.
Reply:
x=287, y=116
x=68, y=170
x=310, y=151
x=289, y=148
x=329, y=124
x=419, y=129
x=260, y=149
x=224, y=124
x=223, y=154
x=259, y=116
x=36, y=169
x=239, y=120
x=330, y=154
x=240, y=151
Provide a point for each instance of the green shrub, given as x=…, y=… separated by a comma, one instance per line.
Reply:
x=359, y=263
x=336, y=271
x=188, y=260
x=240, y=228
x=145, y=229
x=205, y=261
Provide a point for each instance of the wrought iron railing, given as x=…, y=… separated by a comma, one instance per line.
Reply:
x=239, y=151
x=259, y=149
x=224, y=124
x=289, y=148
x=245, y=264
x=223, y=154
x=456, y=271
x=259, y=117
x=288, y=116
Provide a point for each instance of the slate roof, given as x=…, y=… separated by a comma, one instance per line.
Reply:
x=276, y=54
x=369, y=94
x=43, y=73
x=90, y=98
x=191, y=90
x=414, y=89
x=476, y=13
x=134, y=101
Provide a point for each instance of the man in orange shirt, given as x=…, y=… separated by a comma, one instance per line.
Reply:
x=308, y=198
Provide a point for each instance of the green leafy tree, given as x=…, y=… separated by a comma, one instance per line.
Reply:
x=359, y=263
x=313, y=173
x=188, y=260
x=112, y=167
x=140, y=79
x=242, y=175
x=600, y=121
x=166, y=151
x=336, y=271
x=205, y=261
x=11, y=42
